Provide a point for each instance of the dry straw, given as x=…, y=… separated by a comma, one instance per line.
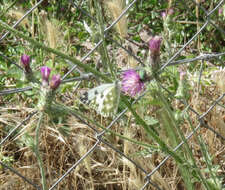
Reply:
x=116, y=7
x=52, y=32
x=51, y=35
x=17, y=15
x=219, y=77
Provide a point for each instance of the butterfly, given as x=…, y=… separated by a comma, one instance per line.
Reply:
x=104, y=98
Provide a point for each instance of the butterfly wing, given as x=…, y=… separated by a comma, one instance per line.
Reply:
x=104, y=98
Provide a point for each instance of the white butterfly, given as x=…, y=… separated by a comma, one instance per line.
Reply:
x=104, y=98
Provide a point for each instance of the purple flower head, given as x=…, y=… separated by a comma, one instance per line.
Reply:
x=163, y=14
x=55, y=82
x=132, y=83
x=170, y=11
x=45, y=72
x=220, y=11
x=154, y=45
x=25, y=60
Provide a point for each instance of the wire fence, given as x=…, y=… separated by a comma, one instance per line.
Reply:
x=100, y=134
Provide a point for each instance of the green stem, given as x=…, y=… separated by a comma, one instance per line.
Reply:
x=102, y=49
x=48, y=49
x=36, y=150
x=62, y=108
x=10, y=6
x=99, y=74
x=202, y=145
x=152, y=134
x=174, y=132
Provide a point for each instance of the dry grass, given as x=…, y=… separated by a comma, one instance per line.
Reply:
x=52, y=33
x=18, y=14
x=103, y=169
x=116, y=7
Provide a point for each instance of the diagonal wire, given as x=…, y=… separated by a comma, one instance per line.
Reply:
x=83, y=11
x=75, y=165
x=216, y=7
x=20, y=175
x=99, y=136
x=117, y=43
x=212, y=106
x=17, y=127
x=123, y=155
x=175, y=149
x=22, y=18
x=184, y=46
x=105, y=31
x=85, y=57
x=208, y=14
x=201, y=117
x=200, y=57
x=99, y=139
x=10, y=61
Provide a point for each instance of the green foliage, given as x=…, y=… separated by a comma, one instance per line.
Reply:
x=156, y=114
x=8, y=160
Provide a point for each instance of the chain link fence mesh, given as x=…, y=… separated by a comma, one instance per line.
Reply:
x=100, y=137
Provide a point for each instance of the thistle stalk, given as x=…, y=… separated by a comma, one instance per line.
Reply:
x=37, y=153
x=103, y=48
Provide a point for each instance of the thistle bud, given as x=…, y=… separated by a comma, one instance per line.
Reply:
x=25, y=60
x=182, y=75
x=154, y=50
x=220, y=11
x=55, y=82
x=163, y=14
x=154, y=45
x=170, y=11
x=45, y=72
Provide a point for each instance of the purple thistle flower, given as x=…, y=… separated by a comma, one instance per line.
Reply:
x=220, y=11
x=163, y=14
x=132, y=83
x=25, y=60
x=170, y=11
x=45, y=72
x=55, y=82
x=154, y=45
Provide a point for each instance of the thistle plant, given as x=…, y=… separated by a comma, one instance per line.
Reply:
x=154, y=51
x=168, y=121
x=182, y=90
x=168, y=33
x=47, y=89
x=47, y=93
x=45, y=72
x=165, y=135
x=25, y=62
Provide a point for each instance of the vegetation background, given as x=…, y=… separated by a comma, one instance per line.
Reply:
x=186, y=97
